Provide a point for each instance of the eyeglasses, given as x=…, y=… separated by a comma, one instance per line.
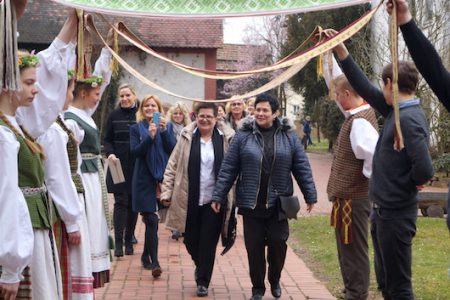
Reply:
x=236, y=104
x=207, y=117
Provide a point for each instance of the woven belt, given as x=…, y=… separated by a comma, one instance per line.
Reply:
x=90, y=156
x=28, y=191
x=101, y=174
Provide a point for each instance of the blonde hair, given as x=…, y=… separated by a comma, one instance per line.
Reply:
x=184, y=111
x=341, y=83
x=251, y=101
x=140, y=115
x=36, y=148
x=126, y=86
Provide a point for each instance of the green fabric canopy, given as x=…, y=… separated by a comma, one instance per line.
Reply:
x=205, y=8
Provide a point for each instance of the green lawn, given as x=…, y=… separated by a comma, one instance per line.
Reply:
x=313, y=240
x=319, y=147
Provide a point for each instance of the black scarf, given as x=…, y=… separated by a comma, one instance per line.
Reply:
x=194, y=170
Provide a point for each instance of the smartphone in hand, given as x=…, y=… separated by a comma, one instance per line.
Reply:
x=156, y=116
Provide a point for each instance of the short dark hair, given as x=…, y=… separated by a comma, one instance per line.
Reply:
x=408, y=76
x=266, y=97
x=206, y=105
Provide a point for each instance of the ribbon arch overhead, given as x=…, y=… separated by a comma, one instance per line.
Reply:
x=205, y=8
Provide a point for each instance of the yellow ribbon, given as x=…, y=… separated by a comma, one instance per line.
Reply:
x=80, y=45
x=398, y=136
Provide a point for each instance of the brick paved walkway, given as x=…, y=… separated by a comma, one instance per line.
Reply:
x=230, y=278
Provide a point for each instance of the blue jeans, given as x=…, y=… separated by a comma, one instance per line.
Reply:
x=392, y=234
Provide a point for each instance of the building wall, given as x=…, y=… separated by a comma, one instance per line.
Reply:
x=294, y=104
x=170, y=77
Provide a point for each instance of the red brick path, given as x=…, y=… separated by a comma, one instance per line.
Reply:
x=230, y=278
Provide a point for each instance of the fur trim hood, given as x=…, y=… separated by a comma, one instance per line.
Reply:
x=249, y=124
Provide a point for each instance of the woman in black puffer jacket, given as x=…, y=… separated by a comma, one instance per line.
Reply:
x=262, y=156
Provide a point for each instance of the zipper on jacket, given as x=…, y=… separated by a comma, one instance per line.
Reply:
x=273, y=164
x=259, y=177
x=271, y=168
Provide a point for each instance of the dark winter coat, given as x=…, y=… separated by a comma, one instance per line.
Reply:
x=117, y=142
x=144, y=183
x=244, y=162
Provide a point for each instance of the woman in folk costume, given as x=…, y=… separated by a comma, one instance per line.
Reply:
x=38, y=115
x=151, y=142
x=16, y=234
x=66, y=191
x=79, y=120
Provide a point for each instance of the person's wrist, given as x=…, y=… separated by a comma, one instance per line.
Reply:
x=404, y=19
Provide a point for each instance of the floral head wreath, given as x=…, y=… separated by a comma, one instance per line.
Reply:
x=28, y=61
x=93, y=81
x=70, y=74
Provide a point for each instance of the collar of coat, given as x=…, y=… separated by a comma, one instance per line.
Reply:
x=188, y=131
x=249, y=124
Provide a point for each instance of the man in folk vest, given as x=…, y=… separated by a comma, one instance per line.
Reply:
x=348, y=187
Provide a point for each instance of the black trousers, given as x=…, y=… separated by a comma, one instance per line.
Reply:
x=259, y=232
x=392, y=235
x=151, y=222
x=124, y=219
x=201, y=238
x=354, y=257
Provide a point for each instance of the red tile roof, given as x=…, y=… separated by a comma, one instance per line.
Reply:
x=44, y=18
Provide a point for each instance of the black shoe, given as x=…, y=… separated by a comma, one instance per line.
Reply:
x=256, y=297
x=156, y=272
x=276, y=290
x=202, y=291
x=134, y=240
x=176, y=235
x=146, y=263
x=118, y=252
x=129, y=250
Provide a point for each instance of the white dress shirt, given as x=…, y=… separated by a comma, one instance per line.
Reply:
x=207, y=178
x=363, y=136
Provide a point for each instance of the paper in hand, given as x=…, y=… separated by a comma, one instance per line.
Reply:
x=116, y=171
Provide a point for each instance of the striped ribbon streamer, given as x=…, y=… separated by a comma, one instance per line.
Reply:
x=310, y=53
x=295, y=64
x=206, y=8
x=126, y=33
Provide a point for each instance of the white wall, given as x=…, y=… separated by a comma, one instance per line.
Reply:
x=293, y=99
x=165, y=75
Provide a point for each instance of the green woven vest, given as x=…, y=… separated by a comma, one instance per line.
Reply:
x=72, y=151
x=31, y=175
x=90, y=144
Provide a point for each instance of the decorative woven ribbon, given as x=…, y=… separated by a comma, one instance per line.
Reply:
x=398, y=136
x=205, y=8
x=29, y=191
x=127, y=34
x=102, y=178
x=295, y=63
x=341, y=218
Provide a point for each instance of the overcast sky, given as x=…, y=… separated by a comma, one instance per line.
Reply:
x=233, y=28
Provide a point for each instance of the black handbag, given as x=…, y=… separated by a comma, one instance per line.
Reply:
x=289, y=206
